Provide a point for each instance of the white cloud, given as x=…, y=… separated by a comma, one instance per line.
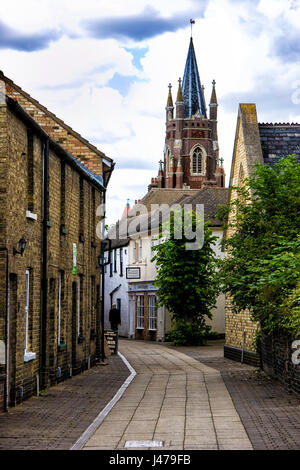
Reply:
x=234, y=45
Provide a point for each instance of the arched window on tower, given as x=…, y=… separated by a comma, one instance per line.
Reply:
x=197, y=161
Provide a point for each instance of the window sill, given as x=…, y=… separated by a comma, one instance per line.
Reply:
x=30, y=215
x=140, y=328
x=29, y=356
x=152, y=329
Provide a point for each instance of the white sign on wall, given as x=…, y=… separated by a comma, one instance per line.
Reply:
x=133, y=273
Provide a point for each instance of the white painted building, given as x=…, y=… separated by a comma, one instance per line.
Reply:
x=132, y=286
x=116, y=287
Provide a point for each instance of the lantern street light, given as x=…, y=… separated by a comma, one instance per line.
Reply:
x=22, y=245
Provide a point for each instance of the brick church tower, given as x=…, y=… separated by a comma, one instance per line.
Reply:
x=191, y=155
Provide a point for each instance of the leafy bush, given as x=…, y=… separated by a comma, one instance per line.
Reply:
x=262, y=267
x=185, y=333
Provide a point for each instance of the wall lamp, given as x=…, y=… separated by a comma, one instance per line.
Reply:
x=105, y=246
x=22, y=245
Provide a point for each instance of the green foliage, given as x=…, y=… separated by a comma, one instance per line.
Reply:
x=186, y=334
x=263, y=263
x=186, y=279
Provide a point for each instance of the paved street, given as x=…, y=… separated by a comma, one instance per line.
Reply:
x=175, y=399
x=55, y=420
x=189, y=397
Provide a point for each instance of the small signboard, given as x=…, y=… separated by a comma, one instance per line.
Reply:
x=133, y=273
x=74, y=258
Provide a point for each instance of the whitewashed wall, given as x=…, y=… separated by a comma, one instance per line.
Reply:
x=122, y=293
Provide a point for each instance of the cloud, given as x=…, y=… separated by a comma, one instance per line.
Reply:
x=138, y=27
x=128, y=163
x=287, y=46
x=12, y=39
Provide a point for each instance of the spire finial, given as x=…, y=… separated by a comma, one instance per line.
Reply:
x=214, y=82
x=192, y=22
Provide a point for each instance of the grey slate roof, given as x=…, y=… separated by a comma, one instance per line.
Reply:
x=211, y=198
x=279, y=140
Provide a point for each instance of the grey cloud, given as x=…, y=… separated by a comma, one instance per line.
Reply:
x=287, y=46
x=144, y=25
x=273, y=103
x=13, y=39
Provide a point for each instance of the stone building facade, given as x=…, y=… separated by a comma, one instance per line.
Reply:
x=51, y=183
x=263, y=143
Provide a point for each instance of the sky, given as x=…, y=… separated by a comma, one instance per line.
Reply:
x=103, y=66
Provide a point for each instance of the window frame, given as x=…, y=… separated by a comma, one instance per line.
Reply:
x=28, y=356
x=140, y=308
x=201, y=151
x=151, y=309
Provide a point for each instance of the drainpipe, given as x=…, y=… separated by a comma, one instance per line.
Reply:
x=45, y=208
x=7, y=327
x=105, y=172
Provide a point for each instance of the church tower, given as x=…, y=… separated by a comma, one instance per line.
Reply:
x=191, y=155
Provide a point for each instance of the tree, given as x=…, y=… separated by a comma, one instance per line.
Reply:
x=262, y=266
x=186, y=279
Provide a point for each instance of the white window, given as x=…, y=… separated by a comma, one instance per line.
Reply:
x=141, y=249
x=78, y=306
x=152, y=313
x=140, y=312
x=134, y=252
x=59, y=308
x=28, y=356
x=27, y=287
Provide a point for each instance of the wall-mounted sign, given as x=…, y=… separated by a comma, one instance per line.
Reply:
x=133, y=273
x=74, y=258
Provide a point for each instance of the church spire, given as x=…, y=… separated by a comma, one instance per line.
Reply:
x=193, y=95
x=170, y=106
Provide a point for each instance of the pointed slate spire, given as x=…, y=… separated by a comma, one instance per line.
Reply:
x=213, y=99
x=170, y=106
x=191, y=86
x=170, y=99
x=179, y=93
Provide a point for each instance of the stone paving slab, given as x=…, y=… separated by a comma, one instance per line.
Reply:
x=55, y=420
x=187, y=397
x=268, y=412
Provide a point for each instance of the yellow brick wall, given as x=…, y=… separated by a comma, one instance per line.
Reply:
x=239, y=329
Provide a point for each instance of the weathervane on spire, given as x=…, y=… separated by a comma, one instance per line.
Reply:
x=192, y=22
